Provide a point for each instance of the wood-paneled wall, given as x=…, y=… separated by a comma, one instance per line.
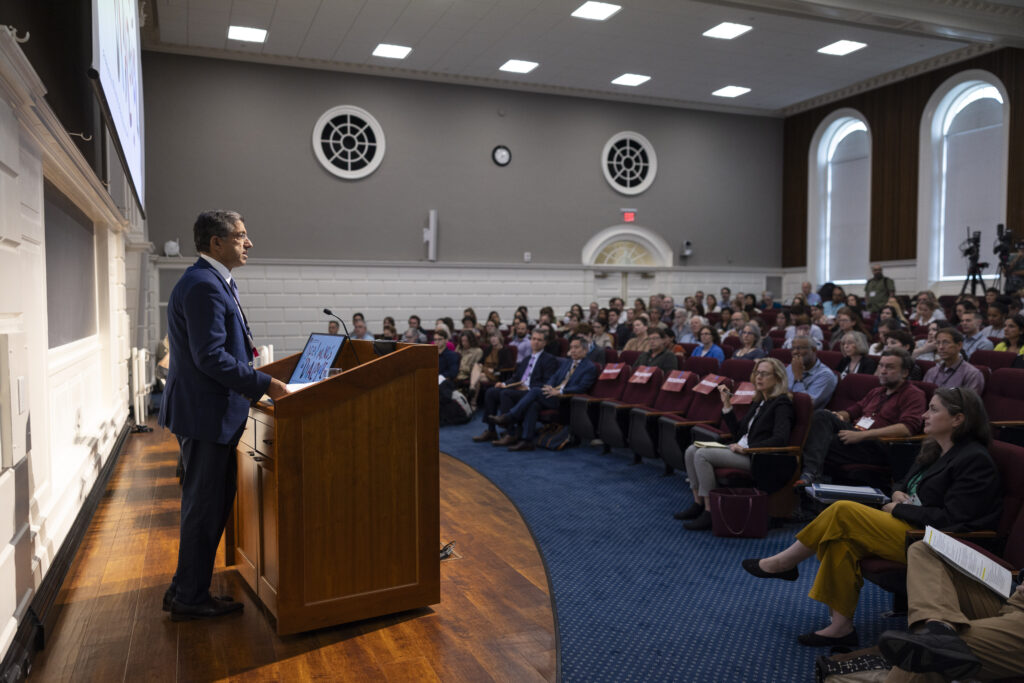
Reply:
x=894, y=114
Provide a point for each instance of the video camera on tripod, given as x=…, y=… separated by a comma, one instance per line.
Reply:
x=1004, y=244
x=971, y=250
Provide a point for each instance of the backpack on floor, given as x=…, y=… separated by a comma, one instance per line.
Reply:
x=555, y=437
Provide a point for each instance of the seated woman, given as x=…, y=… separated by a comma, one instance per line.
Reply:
x=750, y=338
x=709, y=345
x=784, y=323
x=953, y=485
x=847, y=320
x=1012, y=329
x=926, y=312
x=890, y=312
x=639, y=341
x=924, y=349
x=710, y=305
x=470, y=354
x=485, y=373
x=680, y=323
x=767, y=423
x=902, y=339
x=887, y=327
x=602, y=339
x=855, y=356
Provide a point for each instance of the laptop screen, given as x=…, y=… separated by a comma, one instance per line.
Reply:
x=317, y=358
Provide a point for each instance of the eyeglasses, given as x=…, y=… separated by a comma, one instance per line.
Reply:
x=763, y=373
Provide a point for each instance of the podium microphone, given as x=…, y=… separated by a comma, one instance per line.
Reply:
x=348, y=335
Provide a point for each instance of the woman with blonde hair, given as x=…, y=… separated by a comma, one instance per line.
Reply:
x=767, y=423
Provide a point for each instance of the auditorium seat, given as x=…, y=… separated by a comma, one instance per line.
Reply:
x=674, y=430
x=613, y=415
x=628, y=357
x=992, y=359
x=643, y=422
x=1004, y=403
x=784, y=356
x=831, y=358
x=851, y=389
x=689, y=348
x=737, y=369
x=583, y=408
x=701, y=366
x=611, y=355
x=925, y=366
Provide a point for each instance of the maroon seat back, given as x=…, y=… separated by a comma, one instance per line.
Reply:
x=927, y=387
x=611, y=389
x=644, y=394
x=707, y=406
x=831, y=358
x=563, y=346
x=610, y=355
x=851, y=389
x=778, y=336
x=702, y=366
x=925, y=366
x=1010, y=461
x=1004, y=395
x=732, y=341
x=993, y=359
x=785, y=356
x=677, y=401
x=689, y=348
x=803, y=409
x=628, y=357
x=737, y=369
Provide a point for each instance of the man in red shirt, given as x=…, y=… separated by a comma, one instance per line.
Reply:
x=894, y=409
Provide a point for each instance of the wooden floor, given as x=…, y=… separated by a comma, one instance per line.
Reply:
x=494, y=622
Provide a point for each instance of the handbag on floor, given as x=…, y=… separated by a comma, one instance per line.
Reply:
x=555, y=437
x=859, y=666
x=738, y=512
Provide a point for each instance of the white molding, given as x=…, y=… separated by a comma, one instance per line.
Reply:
x=654, y=242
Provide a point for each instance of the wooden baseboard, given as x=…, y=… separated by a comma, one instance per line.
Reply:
x=40, y=617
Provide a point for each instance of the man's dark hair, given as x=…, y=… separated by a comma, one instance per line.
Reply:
x=658, y=332
x=992, y=289
x=968, y=305
x=470, y=318
x=954, y=334
x=214, y=224
x=416, y=318
x=905, y=339
x=891, y=324
x=905, y=360
x=999, y=306
x=544, y=331
x=442, y=333
x=578, y=337
x=358, y=316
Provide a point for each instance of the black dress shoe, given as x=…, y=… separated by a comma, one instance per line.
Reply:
x=936, y=651
x=205, y=610
x=691, y=512
x=499, y=420
x=522, y=445
x=169, y=597
x=506, y=440
x=752, y=566
x=701, y=522
x=812, y=639
x=488, y=435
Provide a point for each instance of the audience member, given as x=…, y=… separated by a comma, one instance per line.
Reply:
x=784, y=324
x=520, y=341
x=890, y=313
x=851, y=436
x=710, y=304
x=602, y=339
x=1012, y=329
x=485, y=373
x=855, y=356
x=807, y=374
x=878, y=289
x=802, y=328
x=959, y=628
x=709, y=345
x=359, y=330
x=974, y=340
x=903, y=340
x=926, y=312
x=692, y=336
x=574, y=375
x=996, y=313
x=952, y=370
x=768, y=301
x=838, y=301
x=953, y=483
x=767, y=423
x=750, y=304
x=413, y=336
x=659, y=352
x=725, y=296
x=533, y=372
x=924, y=349
x=470, y=354
x=847, y=320
x=447, y=360
x=887, y=327
x=811, y=298
x=639, y=341
x=750, y=340
x=332, y=327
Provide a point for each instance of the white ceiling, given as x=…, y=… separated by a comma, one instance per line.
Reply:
x=465, y=41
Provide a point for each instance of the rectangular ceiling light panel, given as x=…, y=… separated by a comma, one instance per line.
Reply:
x=631, y=79
x=842, y=47
x=598, y=11
x=727, y=31
x=391, y=51
x=731, y=91
x=247, y=34
x=519, y=66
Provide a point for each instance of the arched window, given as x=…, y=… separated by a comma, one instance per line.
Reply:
x=839, y=199
x=627, y=245
x=964, y=158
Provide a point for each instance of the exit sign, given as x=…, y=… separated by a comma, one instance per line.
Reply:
x=628, y=215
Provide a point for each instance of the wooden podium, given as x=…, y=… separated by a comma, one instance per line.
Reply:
x=337, y=513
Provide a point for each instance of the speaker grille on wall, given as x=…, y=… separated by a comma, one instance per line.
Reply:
x=629, y=162
x=348, y=142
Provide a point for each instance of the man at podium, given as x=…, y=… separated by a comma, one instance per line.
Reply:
x=210, y=382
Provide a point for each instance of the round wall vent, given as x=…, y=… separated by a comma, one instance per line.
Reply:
x=629, y=162
x=348, y=142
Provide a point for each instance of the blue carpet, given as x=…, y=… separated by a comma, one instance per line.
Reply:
x=638, y=597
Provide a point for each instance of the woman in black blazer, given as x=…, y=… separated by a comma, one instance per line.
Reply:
x=856, y=360
x=953, y=485
x=767, y=424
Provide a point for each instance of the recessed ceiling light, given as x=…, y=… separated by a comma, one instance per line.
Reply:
x=519, y=66
x=631, y=79
x=842, y=47
x=726, y=31
x=731, y=91
x=599, y=11
x=391, y=51
x=249, y=35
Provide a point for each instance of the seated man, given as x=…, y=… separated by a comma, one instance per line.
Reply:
x=959, y=628
x=332, y=327
x=660, y=353
x=420, y=335
x=595, y=353
x=532, y=373
x=575, y=375
x=803, y=328
x=904, y=340
x=447, y=360
x=974, y=340
x=894, y=409
x=809, y=375
x=520, y=341
x=359, y=330
x=693, y=336
x=952, y=370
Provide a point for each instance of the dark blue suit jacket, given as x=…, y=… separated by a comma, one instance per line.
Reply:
x=448, y=364
x=543, y=370
x=580, y=382
x=211, y=379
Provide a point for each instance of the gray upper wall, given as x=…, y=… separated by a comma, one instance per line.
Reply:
x=223, y=134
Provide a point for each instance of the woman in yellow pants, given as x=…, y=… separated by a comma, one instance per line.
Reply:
x=953, y=485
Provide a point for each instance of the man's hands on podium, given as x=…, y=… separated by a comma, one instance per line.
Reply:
x=277, y=389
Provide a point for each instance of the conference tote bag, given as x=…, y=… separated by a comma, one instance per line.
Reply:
x=738, y=512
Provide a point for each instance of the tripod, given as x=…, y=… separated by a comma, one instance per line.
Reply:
x=973, y=278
